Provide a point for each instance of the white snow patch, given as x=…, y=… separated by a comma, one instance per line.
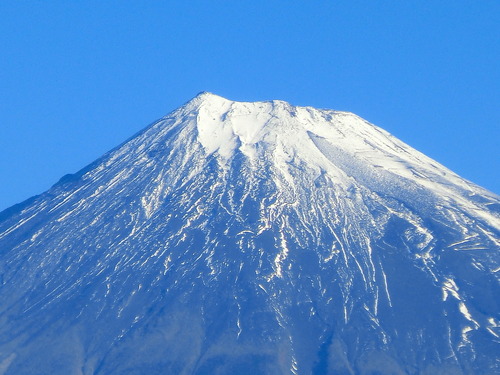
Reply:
x=450, y=287
x=6, y=362
x=465, y=312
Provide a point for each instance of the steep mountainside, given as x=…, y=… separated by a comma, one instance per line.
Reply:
x=253, y=238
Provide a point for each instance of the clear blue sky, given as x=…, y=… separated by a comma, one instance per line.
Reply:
x=79, y=77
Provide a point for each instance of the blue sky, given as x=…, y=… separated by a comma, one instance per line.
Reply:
x=79, y=77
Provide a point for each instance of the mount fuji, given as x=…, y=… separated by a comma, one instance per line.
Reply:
x=253, y=238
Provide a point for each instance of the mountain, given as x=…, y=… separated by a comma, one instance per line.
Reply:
x=253, y=238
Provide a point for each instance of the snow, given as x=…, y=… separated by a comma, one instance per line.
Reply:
x=325, y=140
x=450, y=287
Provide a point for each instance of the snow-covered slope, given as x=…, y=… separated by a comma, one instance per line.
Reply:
x=253, y=238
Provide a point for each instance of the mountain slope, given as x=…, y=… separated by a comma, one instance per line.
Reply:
x=253, y=238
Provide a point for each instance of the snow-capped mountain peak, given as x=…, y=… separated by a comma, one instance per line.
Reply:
x=234, y=237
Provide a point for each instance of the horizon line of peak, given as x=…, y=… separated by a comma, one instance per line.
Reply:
x=205, y=95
